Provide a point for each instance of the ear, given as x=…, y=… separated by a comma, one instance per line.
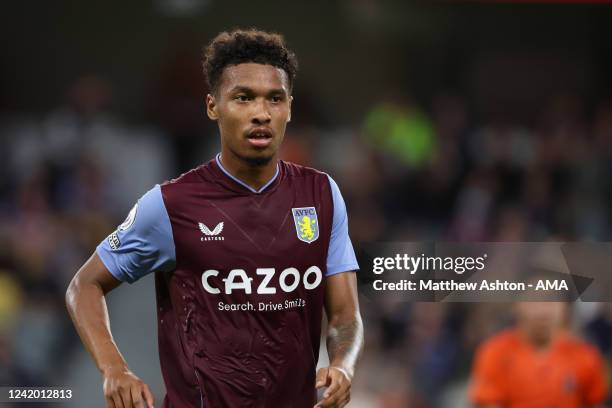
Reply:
x=289, y=116
x=211, y=107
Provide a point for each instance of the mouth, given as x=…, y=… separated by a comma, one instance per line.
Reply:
x=260, y=137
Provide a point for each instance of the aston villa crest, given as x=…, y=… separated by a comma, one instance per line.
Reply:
x=306, y=223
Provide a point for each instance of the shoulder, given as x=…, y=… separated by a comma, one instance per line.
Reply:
x=494, y=355
x=307, y=176
x=147, y=211
x=579, y=348
x=194, y=175
x=197, y=179
x=297, y=170
x=500, y=343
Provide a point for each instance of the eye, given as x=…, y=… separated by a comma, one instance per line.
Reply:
x=277, y=98
x=242, y=98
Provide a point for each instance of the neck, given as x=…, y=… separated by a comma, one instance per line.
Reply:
x=540, y=341
x=254, y=175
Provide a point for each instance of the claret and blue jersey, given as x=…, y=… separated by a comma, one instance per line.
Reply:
x=240, y=281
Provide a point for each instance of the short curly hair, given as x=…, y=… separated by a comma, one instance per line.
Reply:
x=241, y=46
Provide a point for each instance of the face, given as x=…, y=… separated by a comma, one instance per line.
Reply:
x=540, y=319
x=252, y=106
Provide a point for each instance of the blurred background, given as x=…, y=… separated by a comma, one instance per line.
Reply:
x=447, y=121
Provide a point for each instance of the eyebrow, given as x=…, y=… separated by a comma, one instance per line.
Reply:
x=246, y=89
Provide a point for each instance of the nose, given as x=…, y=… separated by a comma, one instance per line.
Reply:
x=261, y=113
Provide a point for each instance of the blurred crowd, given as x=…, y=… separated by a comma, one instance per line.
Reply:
x=409, y=171
x=437, y=171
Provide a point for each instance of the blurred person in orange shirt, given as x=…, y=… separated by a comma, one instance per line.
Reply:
x=538, y=364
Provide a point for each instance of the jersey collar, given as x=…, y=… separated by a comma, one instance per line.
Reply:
x=242, y=183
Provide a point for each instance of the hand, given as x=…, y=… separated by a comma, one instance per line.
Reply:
x=122, y=389
x=338, y=383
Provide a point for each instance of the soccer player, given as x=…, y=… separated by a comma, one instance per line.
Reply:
x=247, y=251
x=538, y=364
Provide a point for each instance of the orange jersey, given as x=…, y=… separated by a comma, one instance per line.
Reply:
x=510, y=373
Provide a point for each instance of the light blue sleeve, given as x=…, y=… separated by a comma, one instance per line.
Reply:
x=143, y=243
x=341, y=255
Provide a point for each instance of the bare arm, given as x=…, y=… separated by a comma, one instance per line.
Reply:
x=87, y=307
x=86, y=303
x=345, y=333
x=344, y=339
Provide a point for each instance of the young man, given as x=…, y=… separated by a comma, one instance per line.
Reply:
x=247, y=250
x=538, y=364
